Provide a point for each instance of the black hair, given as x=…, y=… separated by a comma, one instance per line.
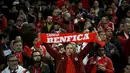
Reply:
x=4, y=35
x=10, y=56
x=34, y=52
x=108, y=8
x=65, y=44
x=56, y=23
x=97, y=46
x=16, y=41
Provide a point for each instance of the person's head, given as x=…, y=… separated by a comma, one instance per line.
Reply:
x=109, y=11
x=31, y=10
x=87, y=25
x=14, y=9
x=69, y=49
x=63, y=8
x=61, y=48
x=113, y=5
x=36, y=56
x=18, y=38
x=55, y=12
x=39, y=16
x=124, y=3
x=78, y=15
x=102, y=35
x=121, y=27
x=56, y=26
x=11, y=45
x=5, y=38
x=109, y=32
x=35, y=40
x=12, y=62
x=67, y=17
x=100, y=28
x=39, y=3
x=80, y=5
x=27, y=4
x=19, y=21
x=17, y=45
x=104, y=20
x=127, y=28
x=49, y=19
x=128, y=13
x=74, y=46
x=96, y=4
x=99, y=50
x=129, y=60
x=92, y=11
x=11, y=22
x=127, y=69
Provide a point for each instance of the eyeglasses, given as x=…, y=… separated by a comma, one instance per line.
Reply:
x=36, y=55
x=100, y=49
x=12, y=60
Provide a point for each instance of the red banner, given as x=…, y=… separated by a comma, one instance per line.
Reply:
x=69, y=37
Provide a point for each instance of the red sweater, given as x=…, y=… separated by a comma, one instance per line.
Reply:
x=92, y=68
x=62, y=59
x=4, y=23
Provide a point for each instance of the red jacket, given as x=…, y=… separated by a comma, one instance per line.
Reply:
x=92, y=68
x=61, y=59
x=3, y=25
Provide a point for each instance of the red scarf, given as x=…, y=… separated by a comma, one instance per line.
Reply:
x=34, y=70
x=19, y=56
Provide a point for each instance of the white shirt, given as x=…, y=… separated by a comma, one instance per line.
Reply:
x=19, y=70
x=127, y=36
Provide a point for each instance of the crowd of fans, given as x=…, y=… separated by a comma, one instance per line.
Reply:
x=22, y=20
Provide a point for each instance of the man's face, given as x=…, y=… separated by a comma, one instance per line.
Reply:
x=100, y=51
x=69, y=50
x=6, y=40
x=113, y=5
x=102, y=35
x=18, y=46
x=109, y=33
x=67, y=17
x=56, y=27
x=49, y=19
x=13, y=63
x=104, y=20
x=19, y=22
x=127, y=27
x=96, y=4
x=87, y=25
x=100, y=29
x=124, y=3
x=37, y=57
x=109, y=11
x=63, y=8
x=74, y=46
x=121, y=27
x=80, y=5
x=55, y=12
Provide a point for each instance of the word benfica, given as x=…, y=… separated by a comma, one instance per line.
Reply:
x=67, y=38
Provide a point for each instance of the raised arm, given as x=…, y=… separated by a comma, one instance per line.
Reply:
x=50, y=50
x=86, y=50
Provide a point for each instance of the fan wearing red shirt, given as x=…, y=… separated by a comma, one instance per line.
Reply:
x=69, y=61
x=99, y=63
